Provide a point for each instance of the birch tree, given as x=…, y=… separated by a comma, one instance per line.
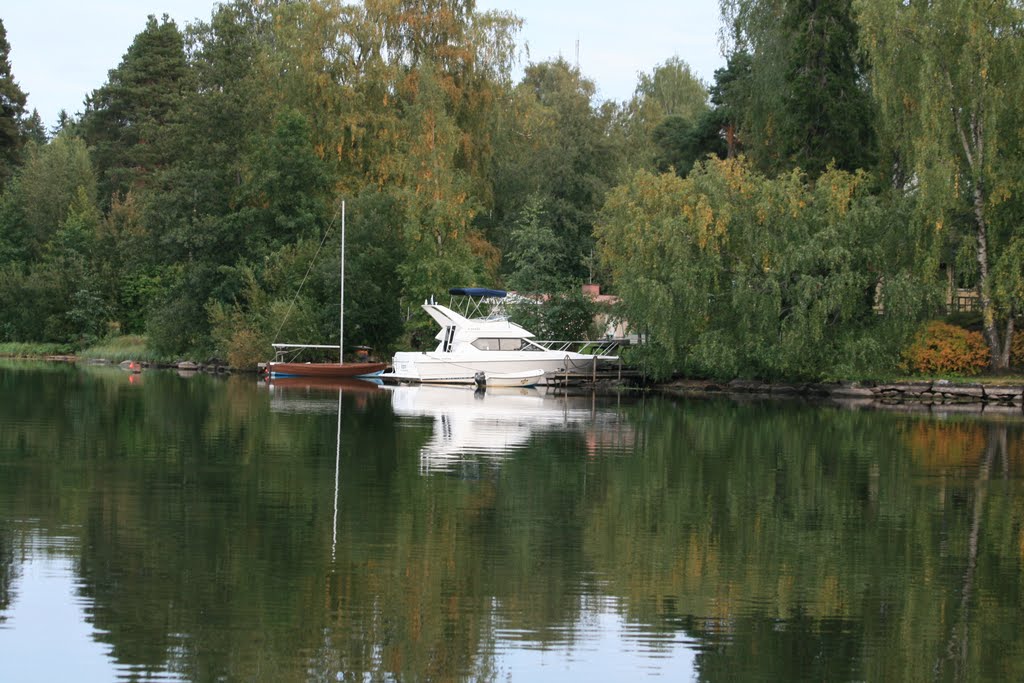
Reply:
x=949, y=76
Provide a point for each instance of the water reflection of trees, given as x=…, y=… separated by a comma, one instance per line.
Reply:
x=821, y=516
x=8, y=569
x=787, y=543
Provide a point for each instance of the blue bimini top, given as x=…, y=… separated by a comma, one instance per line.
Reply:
x=477, y=291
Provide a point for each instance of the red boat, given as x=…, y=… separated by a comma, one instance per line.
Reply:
x=326, y=370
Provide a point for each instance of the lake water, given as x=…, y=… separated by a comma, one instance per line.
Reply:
x=155, y=527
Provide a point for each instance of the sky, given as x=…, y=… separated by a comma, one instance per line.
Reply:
x=62, y=52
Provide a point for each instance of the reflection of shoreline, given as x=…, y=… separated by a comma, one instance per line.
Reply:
x=938, y=392
x=492, y=424
x=939, y=395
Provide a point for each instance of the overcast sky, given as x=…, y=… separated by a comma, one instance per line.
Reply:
x=61, y=50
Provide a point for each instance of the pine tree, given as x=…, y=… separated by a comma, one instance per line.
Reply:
x=126, y=120
x=12, y=109
x=828, y=110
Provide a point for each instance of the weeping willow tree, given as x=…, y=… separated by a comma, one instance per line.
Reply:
x=949, y=76
x=734, y=274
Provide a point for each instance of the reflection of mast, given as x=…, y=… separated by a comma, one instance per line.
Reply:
x=337, y=470
x=958, y=639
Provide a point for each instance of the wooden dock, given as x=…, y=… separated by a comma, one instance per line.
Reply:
x=598, y=373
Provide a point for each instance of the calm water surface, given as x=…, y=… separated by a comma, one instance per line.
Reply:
x=164, y=528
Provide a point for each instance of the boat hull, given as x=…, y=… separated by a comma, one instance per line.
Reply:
x=325, y=370
x=511, y=369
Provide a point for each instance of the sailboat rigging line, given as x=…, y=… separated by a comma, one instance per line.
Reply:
x=309, y=269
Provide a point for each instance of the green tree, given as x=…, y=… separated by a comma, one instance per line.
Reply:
x=285, y=187
x=949, y=80
x=12, y=109
x=680, y=144
x=439, y=206
x=32, y=128
x=533, y=251
x=729, y=94
x=127, y=271
x=670, y=92
x=126, y=120
x=557, y=148
x=753, y=86
x=205, y=216
x=828, y=110
x=729, y=273
x=38, y=199
x=564, y=315
x=795, y=83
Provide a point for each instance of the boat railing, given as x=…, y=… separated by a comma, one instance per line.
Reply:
x=281, y=351
x=603, y=348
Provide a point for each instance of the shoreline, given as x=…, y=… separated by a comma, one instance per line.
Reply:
x=938, y=395
x=924, y=396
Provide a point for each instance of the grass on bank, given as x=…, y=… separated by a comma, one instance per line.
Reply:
x=121, y=348
x=115, y=349
x=33, y=350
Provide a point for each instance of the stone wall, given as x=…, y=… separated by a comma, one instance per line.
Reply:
x=937, y=392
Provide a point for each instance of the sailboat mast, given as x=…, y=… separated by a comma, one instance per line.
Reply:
x=341, y=297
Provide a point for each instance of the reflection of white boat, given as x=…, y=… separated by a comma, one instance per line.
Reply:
x=489, y=425
x=527, y=378
x=490, y=344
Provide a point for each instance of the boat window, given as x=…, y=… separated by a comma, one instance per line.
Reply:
x=498, y=344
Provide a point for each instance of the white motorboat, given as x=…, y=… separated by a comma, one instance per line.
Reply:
x=475, y=348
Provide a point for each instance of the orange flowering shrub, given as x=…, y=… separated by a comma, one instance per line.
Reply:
x=943, y=348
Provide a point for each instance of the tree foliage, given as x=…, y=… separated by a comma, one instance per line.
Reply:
x=828, y=112
x=12, y=111
x=795, y=85
x=558, y=153
x=670, y=93
x=197, y=196
x=948, y=77
x=565, y=315
x=126, y=121
x=731, y=273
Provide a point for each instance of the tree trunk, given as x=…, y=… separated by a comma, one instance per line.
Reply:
x=972, y=139
x=997, y=358
x=1004, y=356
